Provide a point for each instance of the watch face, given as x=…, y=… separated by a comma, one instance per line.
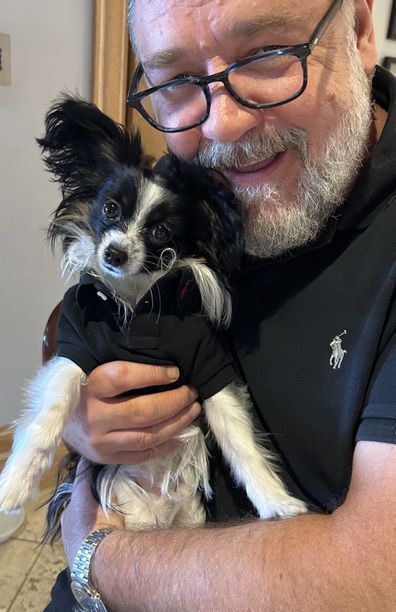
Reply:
x=80, y=593
x=85, y=600
x=99, y=606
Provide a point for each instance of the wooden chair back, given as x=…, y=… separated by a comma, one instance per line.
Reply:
x=48, y=345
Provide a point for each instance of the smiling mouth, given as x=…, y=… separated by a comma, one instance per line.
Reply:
x=258, y=166
x=257, y=173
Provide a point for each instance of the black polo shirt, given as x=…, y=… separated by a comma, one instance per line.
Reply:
x=291, y=309
x=166, y=327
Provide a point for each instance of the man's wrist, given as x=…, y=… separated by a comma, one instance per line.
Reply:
x=82, y=586
x=100, y=563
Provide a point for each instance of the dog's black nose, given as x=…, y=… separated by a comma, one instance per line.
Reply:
x=115, y=257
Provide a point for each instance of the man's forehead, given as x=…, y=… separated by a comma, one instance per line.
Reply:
x=167, y=22
x=172, y=9
x=162, y=7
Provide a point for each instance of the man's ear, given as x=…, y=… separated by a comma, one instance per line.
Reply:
x=365, y=33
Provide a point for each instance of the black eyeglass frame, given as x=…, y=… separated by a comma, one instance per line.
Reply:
x=302, y=52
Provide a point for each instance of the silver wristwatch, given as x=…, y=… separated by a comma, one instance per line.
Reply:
x=87, y=597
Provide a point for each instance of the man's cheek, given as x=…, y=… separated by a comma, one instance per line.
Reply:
x=184, y=144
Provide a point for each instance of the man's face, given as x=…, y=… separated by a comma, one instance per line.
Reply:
x=290, y=165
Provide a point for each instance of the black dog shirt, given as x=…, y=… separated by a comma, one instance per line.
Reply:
x=166, y=327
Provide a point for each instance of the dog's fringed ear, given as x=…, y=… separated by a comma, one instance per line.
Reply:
x=224, y=250
x=227, y=245
x=82, y=146
x=169, y=166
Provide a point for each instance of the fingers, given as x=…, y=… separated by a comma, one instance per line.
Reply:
x=140, y=439
x=149, y=410
x=137, y=445
x=109, y=427
x=112, y=379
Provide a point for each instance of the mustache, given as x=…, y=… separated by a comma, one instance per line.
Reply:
x=258, y=144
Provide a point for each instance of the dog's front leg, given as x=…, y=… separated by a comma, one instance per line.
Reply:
x=228, y=415
x=50, y=400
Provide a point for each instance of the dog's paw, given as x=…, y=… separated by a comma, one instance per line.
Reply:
x=283, y=508
x=11, y=501
x=16, y=493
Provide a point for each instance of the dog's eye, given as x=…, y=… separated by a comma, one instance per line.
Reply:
x=111, y=210
x=161, y=233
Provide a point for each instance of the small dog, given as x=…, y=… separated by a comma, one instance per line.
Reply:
x=157, y=251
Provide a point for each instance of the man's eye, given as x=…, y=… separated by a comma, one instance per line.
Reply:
x=184, y=76
x=260, y=50
x=161, y=233
x=112, y=211
x=176, y=77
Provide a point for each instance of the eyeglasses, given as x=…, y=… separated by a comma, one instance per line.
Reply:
x=275, y=76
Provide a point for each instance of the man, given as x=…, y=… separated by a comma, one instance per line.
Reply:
x=314, y=332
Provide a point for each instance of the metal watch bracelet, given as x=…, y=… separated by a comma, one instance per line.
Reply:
x=87, y=596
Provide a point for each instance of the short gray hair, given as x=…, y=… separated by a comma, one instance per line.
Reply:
x=131, y=24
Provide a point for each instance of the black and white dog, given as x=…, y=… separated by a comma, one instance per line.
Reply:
x=156, y=250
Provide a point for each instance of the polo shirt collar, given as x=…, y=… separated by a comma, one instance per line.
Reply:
x=174, y=291
x=91, y=288
x=375, y=182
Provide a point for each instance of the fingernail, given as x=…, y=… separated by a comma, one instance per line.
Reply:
x=192, y=393
x=196, y=409
x=173, y=373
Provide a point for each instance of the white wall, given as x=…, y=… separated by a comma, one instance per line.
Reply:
x=386, y=48
x=51, y=51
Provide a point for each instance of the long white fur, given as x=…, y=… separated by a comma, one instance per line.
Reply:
x=216, y=300
x=161, y=488
x=167, y=490
x=253, y=466
x=52, y=398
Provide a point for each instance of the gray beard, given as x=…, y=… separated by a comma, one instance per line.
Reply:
x=272, y=224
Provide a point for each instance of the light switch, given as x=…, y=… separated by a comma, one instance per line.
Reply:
x=5, y=60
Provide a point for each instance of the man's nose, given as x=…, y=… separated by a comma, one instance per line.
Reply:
x=228, y=120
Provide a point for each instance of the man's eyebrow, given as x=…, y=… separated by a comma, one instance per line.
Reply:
x=259, y=23
x=162, y=58
x=245, y=27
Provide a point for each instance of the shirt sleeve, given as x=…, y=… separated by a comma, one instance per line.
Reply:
x=378, y=422
x=72, y=334
x=207, y=362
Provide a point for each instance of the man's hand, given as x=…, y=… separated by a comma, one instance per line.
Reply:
x=83, y=514
x=107, y=428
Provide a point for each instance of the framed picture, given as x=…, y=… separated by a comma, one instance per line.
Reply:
x=390, y=64
x=392, y=22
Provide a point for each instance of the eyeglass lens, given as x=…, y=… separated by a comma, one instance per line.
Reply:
x=264, y=81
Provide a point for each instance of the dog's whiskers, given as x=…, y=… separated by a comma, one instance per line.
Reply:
x=159, y=302
x=167, y=265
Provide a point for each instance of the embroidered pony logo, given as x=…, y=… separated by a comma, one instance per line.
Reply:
x=338, y=352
